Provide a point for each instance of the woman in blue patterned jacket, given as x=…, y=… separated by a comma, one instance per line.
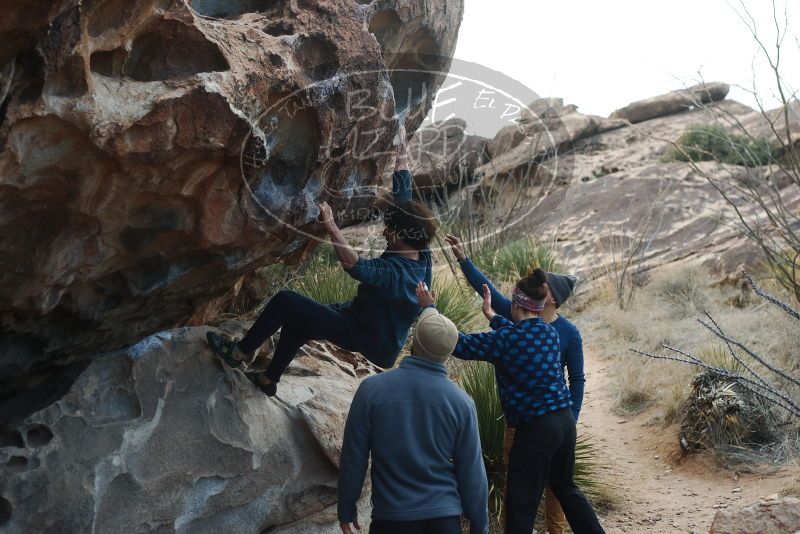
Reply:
x=526, y=355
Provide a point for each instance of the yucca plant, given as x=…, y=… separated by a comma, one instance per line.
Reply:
x=456, y=301
x=508, y=260
x=323, y=279
x=477, y=380
x=588, y=467
x=518, y=258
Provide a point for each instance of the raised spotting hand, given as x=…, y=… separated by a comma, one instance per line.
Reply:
x=426, y=296
x=486, y=308
x=456, y=246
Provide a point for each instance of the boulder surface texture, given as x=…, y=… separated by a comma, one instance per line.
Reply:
x=161, y=438
x=778, y=516
x=152, y=152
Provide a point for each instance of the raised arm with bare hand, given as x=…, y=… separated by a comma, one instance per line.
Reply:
x=346, y=254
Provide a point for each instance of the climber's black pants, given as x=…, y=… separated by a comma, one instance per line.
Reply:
x=544, y=452
x=301, y=320
x=439, y=525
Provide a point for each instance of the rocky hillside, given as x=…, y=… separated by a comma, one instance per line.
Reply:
x=598, y=186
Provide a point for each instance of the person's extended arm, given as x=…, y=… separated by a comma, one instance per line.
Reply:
x=471, y=475
x=401, y=179
x=482, y=346
x=577, y=380
x=477, y=279
x=346, y=254
x=355, y=457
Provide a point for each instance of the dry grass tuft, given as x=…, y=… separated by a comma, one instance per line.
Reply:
x=665, y=311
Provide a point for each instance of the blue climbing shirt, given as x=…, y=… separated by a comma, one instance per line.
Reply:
x=527, y=366
x=568, y=334
x=386, y=304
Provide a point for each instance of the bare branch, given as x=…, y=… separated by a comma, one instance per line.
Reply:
x=766, y=296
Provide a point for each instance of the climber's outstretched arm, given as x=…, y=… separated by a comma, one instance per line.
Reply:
x=346, y=254
x=401, y=179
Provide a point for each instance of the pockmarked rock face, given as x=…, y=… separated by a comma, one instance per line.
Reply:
x=153, y=152
x=162, y=438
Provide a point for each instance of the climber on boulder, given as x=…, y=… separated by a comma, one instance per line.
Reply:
x=376, y=322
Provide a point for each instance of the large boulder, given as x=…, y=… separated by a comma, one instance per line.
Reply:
x=672, y=102
x=162, y=438
x=777, y=516
x=152, y=153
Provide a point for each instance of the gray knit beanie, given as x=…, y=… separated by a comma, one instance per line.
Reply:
x=561, y=286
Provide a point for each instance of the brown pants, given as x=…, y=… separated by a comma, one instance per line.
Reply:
x=554, y=515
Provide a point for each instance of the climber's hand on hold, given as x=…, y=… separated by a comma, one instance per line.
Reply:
x=401, y=158
x=326, y=216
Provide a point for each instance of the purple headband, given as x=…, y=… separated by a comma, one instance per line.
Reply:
x=525, y=302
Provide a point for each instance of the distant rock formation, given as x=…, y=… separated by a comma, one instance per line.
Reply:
x=672, y=102
x=547, y=127
x=598, y=186
x=151, y=152
x=608, y=190
x=443, y=155
x=161, y=438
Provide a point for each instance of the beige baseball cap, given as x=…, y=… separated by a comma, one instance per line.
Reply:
x=435, y=336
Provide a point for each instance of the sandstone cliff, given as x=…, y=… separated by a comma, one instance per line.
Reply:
x=154, y=151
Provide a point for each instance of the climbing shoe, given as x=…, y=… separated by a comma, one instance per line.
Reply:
x=224, y=349
x=268, y=389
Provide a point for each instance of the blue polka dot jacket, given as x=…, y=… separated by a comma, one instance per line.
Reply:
x=527, y=365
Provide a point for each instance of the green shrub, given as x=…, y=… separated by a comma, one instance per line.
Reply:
x=323, y=279
x=458, y=302
x=477, y=380
x=712, y=142
x=511, y=260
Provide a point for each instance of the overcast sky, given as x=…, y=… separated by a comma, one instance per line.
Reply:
x=602, y=55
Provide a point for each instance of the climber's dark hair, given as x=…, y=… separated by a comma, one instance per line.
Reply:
x=534, y=285
x=412, y=221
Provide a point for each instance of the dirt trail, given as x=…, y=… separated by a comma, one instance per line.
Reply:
x=661, y=491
